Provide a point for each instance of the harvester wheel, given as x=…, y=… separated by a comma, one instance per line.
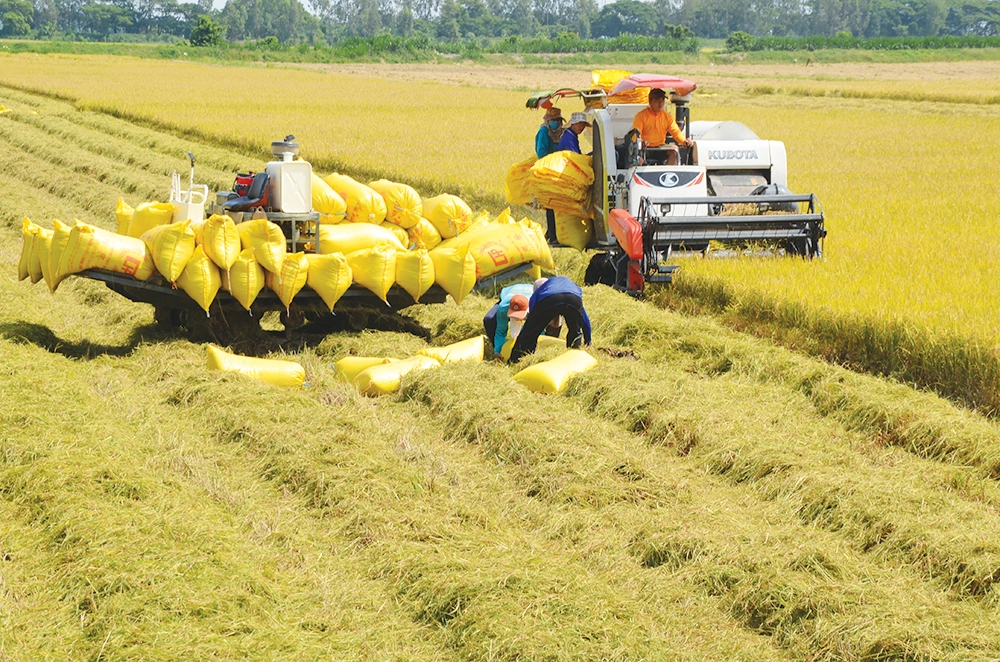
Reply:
x=600, y=270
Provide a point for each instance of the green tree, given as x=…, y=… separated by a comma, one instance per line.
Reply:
x=15, y=17
x=207, y=32
x=739, y=41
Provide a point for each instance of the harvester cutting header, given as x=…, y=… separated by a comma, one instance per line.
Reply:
x=648, y=201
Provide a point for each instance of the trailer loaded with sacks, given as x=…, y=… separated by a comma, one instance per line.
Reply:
x=288, y=240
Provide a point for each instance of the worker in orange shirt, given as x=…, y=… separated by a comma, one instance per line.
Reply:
x=654, y=123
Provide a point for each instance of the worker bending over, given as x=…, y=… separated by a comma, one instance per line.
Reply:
x=552, y=298
x=654, y=123
x=513, y=306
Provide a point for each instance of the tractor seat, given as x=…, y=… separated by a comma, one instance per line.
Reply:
x=256, y=195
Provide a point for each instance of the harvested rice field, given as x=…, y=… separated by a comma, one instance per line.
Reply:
x=714, y=489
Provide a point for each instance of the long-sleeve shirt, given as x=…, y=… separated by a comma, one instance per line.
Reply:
x=503, y=311
x=560, y=285
x=569, y=141
x=544, y=145
x=654, y=127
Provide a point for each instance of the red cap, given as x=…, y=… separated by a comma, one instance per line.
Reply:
x=518, y=307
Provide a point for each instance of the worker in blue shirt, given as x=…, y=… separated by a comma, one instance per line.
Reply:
x=552, y=298
x=497, y=320
x=547, y=142
x=571, y=137
x=547, y=138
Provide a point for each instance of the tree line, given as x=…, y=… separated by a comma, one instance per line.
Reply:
x=500, y=25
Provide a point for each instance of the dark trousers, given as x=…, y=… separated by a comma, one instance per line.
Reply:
x=490, y=324
x=550, y=229
x=570, y=306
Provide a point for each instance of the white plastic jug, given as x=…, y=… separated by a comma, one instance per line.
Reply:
x=189, y=205
x=290, y=184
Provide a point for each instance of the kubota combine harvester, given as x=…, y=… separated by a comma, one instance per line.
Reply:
x=643, y=209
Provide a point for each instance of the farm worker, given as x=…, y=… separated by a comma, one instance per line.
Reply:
x=547, y=142
x=553, y=297
x=654, y=123
x=571, y=137
x=547, y=138
x=506, y=317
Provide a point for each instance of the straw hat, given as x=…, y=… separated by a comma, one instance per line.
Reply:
x=553, y=113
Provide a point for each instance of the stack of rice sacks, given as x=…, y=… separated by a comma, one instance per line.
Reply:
x=375, y=235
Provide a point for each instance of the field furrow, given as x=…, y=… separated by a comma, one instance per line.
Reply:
x=701, y=494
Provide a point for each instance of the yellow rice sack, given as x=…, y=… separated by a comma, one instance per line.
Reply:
x=364, y=205
x=517, y=186
x=349, y=367
x=501, y=246
x=294, y=272
x=221, y=240
x=280, y=373
x=172, y=246
x=43, y=241
x=50, y=253
x=123, y=215
x=198, y=227
x=267, y=241
x=374, y=268
x=415, y=272
x=28, y=233
x=246, y=278
x=455, y=271
x=93, y=248
x=384, y=378
x=200, y=278
x=148, y=215
x=449, y=214
x=402, y=235
x=574, y=231
x=464, y=350
x=327, y=201
x=350, y=237
x=424, y=234
x=329, y=275
x=543, y=253
x=552, y=376
x=402, y=203
x=478, y=225
x=544, y=342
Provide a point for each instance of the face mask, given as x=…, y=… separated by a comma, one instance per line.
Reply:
x=553, y=124
x=515, y=327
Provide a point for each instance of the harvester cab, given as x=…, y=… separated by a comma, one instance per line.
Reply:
x=731, y=186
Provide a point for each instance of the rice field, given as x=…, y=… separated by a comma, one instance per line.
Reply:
x=701, y=494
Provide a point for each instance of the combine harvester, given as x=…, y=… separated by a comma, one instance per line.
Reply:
x=643, y=210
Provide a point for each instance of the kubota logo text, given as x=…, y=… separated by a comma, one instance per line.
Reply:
x=731, y=154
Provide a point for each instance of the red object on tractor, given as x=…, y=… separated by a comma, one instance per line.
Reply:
x=627, y=231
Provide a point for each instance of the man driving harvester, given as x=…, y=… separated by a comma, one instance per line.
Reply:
x=654, y=123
